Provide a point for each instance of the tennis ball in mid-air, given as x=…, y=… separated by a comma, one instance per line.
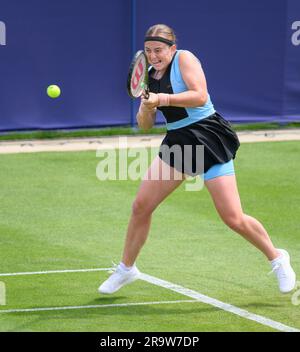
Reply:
x=53, y=91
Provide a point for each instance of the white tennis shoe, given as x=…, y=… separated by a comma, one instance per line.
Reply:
x=118, y=279
x=285, y=274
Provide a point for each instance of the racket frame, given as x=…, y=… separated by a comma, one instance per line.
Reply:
x=145, y=82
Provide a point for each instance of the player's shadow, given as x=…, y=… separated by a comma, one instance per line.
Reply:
x=115, y=306
x=260, y=305
x=106, y=300
x=133, y=309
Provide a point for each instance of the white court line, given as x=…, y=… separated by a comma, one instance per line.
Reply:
x=214, y=302
x=198, y=297
x=95, y=306
x=55, y=272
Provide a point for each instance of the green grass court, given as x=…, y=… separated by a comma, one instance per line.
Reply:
x=56, y=215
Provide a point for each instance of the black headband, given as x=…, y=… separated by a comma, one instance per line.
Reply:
x=159, y=39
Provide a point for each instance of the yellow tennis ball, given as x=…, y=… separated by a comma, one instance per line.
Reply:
x=53, y=91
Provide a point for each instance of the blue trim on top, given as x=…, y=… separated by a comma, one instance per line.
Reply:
x=178, y=85
x=133, y=51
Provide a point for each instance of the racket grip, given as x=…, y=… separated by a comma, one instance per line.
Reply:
x=147, y=93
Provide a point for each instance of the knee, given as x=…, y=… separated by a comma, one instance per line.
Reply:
x=235, y=222
x=142, y=207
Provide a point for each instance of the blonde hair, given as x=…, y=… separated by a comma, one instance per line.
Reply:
x=161, y=30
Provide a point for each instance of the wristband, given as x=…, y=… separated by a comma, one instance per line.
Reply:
x=163, y=99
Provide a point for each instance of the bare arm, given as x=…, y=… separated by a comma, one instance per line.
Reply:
x=195, y=81
x=147, y=112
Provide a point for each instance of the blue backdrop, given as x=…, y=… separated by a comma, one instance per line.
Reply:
x=250, y=51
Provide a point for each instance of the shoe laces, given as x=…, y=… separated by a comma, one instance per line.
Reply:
x=276, y=269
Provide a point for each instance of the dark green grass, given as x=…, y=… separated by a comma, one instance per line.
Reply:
x=55, y=214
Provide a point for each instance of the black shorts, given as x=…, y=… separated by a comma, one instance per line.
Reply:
x=214, y=133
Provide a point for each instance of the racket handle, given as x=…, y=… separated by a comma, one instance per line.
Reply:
x=146, y=90
x=147, y=93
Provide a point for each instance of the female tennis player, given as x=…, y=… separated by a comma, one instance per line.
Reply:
x=178, y=88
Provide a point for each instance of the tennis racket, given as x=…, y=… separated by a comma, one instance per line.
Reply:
x=137, y=81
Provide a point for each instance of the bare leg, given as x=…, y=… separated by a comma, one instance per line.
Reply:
x=226, y=198
x=150, y=194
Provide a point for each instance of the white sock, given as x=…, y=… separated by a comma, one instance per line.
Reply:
x=124, y=267
x=274, y=261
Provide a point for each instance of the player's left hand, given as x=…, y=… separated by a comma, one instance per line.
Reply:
x=152, y=102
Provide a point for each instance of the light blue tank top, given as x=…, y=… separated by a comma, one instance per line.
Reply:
x=194, y=114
